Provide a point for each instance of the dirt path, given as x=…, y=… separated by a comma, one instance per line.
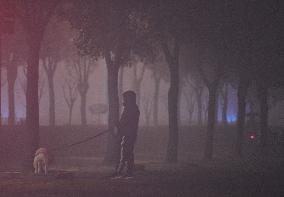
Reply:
x=186, y=181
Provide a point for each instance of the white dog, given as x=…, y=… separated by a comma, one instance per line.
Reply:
x=41, y=161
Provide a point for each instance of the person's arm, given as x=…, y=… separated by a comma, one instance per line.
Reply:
x=124, y=120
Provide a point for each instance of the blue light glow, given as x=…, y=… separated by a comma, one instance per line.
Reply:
x=231, y=118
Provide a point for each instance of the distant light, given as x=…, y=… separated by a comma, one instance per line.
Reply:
x=231, y=118
x=252, y=135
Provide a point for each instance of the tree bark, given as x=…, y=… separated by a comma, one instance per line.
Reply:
x=156, y=101
x=32, y=100
x=0, y=79
x=179, y=104
x=217, y=107
x=172, y=150
x=199, y=106
x=225, y=105
x=70, y=114
x=83, y=97
x=263, y=101
x=11, y=78
x=120, y=88
x=242, y=92
x=51, y=100
x=173, y=93
x=113, y=143
x=208, y=153
x=137, y=81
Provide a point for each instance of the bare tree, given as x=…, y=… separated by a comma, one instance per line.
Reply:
x=12, y=71
x=41, y=83
x=120, y=85
x=197, y=86
x=35, y=17
x=54, y=43
x=224, y=99
x=137, y=79
x=70, y=93
x=147, y=108
x=190, y=102
x=14, y=54
x=157, y=80
x=82, y=67
x=212, y=97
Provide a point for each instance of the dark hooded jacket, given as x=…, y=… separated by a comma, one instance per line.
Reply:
x=128, y=123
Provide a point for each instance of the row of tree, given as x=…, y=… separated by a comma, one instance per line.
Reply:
x=212, y=42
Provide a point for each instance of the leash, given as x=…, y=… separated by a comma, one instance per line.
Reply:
x=79, y=142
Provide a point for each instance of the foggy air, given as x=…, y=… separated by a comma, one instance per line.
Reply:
x=141, y=98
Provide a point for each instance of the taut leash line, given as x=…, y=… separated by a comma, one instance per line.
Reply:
x=79, y=142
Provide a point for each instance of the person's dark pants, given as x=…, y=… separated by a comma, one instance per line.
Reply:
x=126, y=156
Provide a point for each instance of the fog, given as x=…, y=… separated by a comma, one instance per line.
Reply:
x=141, y=98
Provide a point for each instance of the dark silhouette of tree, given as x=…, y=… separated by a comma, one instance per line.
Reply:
x=211, y=32
x=197, y=86
x=157, y=76
x=104, y=32
x=13, y=56
x=7, y=19
x=35, y=17
x=167, y=26
x=23, y=82
x=190, y=103
x=224, y=99
x=12, y=71
x=52, y=50
x=256, y=50
x=148, y=110
x=82, y=68
x=120, y=86
x=70, y=93
x=137, y=80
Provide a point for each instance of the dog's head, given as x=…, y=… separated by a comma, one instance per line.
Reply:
x=41, y=150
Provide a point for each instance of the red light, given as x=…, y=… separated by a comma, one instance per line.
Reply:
x=252, y=137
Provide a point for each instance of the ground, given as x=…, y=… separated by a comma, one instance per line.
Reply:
x=204, y=179
x=258, y=173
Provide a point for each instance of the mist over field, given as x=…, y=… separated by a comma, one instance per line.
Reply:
x=141, y=98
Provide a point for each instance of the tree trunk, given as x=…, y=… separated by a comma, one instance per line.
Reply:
x=113, y=144
x=51, y=101
x=242, y=92
x=136, y=85
x=179, y=104
x=208, y=153
x=173, y=93
x=156, y=101
x=32, y=101
x=120, y=88
x=172, y=150
x=83, y=97
x=0, y=79
x=199, y=107
x=263, y=101
x=225, y=105
x=70, y=114
x=11, y=78
x=217, y=107
x=190, y=115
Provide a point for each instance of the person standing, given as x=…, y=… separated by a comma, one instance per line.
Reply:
x=127, y=128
